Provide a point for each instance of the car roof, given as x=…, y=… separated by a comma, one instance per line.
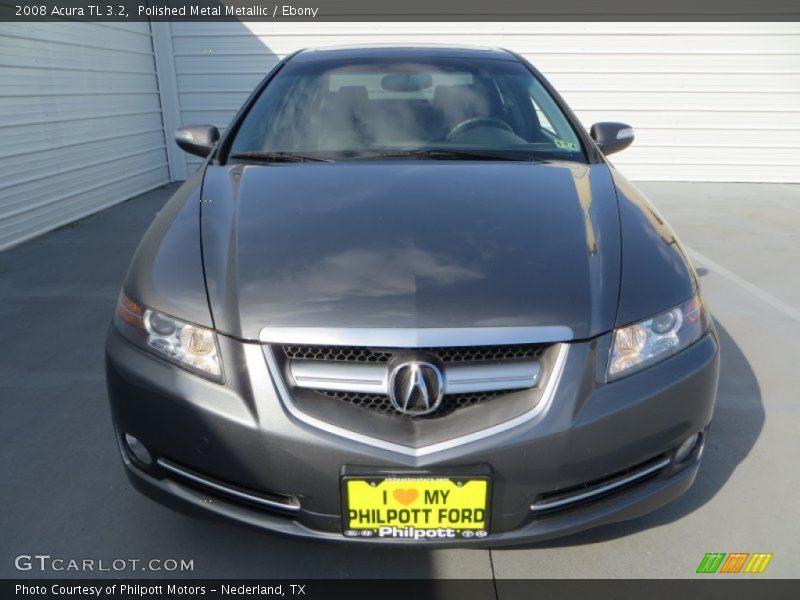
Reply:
x=404, y=51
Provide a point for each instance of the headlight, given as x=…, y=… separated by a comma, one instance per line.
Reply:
x=189, y=346
x=639, y=345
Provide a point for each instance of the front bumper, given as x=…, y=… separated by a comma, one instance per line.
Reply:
x=239, y=435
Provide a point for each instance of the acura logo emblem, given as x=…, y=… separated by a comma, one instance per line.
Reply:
x=416, y=388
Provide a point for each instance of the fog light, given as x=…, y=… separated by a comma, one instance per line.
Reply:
x=686, y=448
x=138, y=449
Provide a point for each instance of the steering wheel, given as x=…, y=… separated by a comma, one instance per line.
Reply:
x=474, y=122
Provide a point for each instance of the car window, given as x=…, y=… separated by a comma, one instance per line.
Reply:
x=346, y=110
x=544, y=123
x=372, y=83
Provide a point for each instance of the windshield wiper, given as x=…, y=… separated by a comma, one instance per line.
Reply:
x=455, y=154
x=277, y=157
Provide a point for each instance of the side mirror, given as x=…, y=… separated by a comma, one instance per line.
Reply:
x=612, y=137
x=199, y=140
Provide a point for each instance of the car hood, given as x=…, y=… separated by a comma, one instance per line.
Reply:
x=411, y=244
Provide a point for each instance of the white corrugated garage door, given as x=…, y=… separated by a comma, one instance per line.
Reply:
x=709, y=101
x=80, y=122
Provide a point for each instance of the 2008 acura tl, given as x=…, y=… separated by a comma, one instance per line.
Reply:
x=407, y=299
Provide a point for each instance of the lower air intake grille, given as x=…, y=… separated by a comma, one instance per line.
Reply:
x=565, y=499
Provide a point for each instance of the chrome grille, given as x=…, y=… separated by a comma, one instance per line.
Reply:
x=455, y=354
x=359, y=375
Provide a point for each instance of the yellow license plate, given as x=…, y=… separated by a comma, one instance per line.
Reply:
x=416, y=508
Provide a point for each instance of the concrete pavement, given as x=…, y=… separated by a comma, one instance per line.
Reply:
x=745, y=499
x=65, y=493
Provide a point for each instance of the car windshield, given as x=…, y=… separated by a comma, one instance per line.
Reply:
x=476, y=109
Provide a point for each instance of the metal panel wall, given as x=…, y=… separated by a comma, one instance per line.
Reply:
x=709, y=101
x=80, y=120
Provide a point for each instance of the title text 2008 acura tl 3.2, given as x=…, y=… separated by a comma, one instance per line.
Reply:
x=406, y=299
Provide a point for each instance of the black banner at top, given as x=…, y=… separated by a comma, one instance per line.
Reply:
x=400, y=10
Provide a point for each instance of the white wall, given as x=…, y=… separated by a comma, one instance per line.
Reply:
x=80, y=122
x=709, y=101
x=85, y=107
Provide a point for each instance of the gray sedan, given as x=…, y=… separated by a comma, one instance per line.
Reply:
x=406, y=299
